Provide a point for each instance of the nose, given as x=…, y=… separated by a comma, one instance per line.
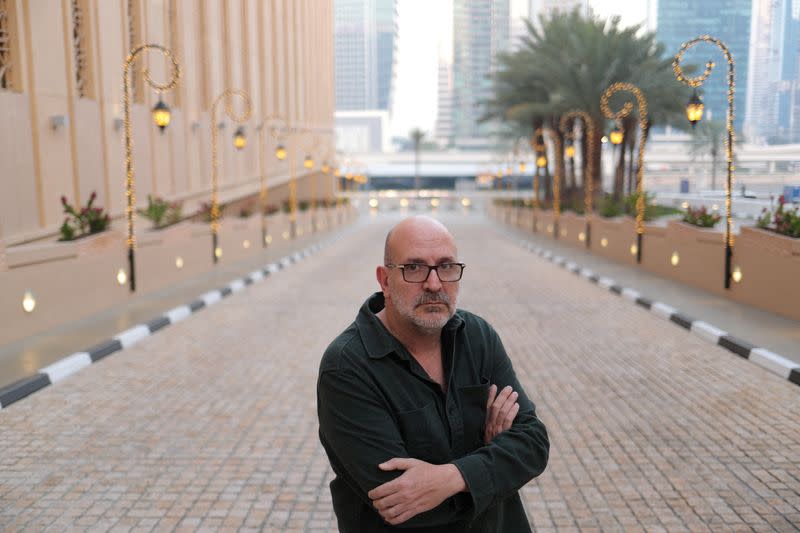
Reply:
x=433, y=283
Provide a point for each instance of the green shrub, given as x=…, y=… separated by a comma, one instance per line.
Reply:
x=87, y=221
x=783, y=221
x=161, y=212
x=701, y=217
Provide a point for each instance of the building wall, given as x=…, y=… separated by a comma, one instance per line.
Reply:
x=365, y=53
x=480, y=30
x=279, y=51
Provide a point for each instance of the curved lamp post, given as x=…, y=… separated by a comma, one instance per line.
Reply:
x=279, y=134
x=161, y=117
x=622, y=113
x=309, y=163
x=694, y=112
x=239, y=142
x=590, y=131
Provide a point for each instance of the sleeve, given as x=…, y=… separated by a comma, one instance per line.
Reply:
x=359, y=433
x=514, y=457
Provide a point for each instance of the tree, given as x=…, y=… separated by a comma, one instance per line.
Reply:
x=708, y=137
x=568, y=60
x=416, y=135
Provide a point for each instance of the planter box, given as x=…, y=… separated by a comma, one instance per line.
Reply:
x=613, y=237
x=45, y=252
x=572, y=229
x=770, y=266
x=181, y=231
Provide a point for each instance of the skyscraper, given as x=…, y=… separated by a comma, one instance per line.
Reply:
x=727, y=20
x=365, y=42
x=480, y=30
x=771, y=114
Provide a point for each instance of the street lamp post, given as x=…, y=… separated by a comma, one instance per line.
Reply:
x=279, y=134
x=694, y=112
x=589, y=130
x=308, y=164
x=239, y=141
x=161, y=117
x=622, y=113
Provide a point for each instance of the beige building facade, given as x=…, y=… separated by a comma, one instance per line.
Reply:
x=61, y=101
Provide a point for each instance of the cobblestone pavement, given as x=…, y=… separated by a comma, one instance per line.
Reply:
x=211, y=423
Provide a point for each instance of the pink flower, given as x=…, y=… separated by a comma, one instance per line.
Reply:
x=64, y=200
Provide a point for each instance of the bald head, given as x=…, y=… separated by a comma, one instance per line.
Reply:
x=413, y=230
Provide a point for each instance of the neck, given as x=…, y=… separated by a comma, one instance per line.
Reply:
x=415, y=339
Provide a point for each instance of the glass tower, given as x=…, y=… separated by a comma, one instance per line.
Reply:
x=726, y=20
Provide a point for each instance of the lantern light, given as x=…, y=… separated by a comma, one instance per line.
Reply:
x=541, y=161
x=308, y=162
x=570, y=151
x=161, y=114
x=122, y=276
x=694, y=108
x=280, y=152
x=239, y=138
x=325, y=168
x=522, y=167
x=28, y=302
x=616, y=136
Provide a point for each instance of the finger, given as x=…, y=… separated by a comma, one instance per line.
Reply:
x=498, y=403
x=403, y=517
x=398, y=463
x=390, y=487
x=492, y=394
x=506, y=407
x=509, y=419
x=387, y=502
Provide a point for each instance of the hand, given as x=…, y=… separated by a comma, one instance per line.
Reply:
x=420, y=488
x=501, y=409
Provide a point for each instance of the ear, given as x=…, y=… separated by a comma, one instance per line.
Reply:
x=382, y=275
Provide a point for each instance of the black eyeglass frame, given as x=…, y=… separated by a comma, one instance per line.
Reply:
x=430, y=268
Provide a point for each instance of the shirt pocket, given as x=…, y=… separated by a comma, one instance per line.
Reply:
x=473, y=410
x=417, y=428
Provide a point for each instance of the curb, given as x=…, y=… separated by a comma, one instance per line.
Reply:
x=771, y=361
x=73, y=363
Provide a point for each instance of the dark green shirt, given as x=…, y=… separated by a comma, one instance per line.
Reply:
x=375, y=402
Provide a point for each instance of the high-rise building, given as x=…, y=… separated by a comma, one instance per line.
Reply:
x=771, y=112
x=365, y=47
x=543, y=7
x=480, y=31
x=444, y=114
x=727, y=20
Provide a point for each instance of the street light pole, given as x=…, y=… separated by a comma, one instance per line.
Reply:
x=622, y=113
x=161, y=115
x=280, y=153
x=226, y=95
x=694, y=113
x=589, y=129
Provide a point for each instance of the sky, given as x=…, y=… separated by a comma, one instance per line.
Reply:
x=425, y=31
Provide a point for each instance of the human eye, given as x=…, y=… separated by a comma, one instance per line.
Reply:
x=447, y=267
x=412, y=267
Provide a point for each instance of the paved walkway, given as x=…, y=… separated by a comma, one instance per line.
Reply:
x=211, y=423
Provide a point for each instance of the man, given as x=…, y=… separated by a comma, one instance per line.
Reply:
x=409, y=410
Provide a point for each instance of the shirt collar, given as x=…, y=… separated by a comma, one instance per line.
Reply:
x=377, y=339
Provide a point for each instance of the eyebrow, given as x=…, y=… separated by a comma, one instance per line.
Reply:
x=447, y=259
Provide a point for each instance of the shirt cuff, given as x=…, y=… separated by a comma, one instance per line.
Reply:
x=479, y=481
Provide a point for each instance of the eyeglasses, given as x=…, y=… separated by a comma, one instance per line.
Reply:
x=418, y=273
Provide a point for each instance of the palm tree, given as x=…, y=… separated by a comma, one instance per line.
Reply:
x=568, y=60
x=708, y=137
x=416, y=135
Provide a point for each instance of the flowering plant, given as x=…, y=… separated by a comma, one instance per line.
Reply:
x=701, y=217
x=161, y=212
x=783, y=221
x=87, y=221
